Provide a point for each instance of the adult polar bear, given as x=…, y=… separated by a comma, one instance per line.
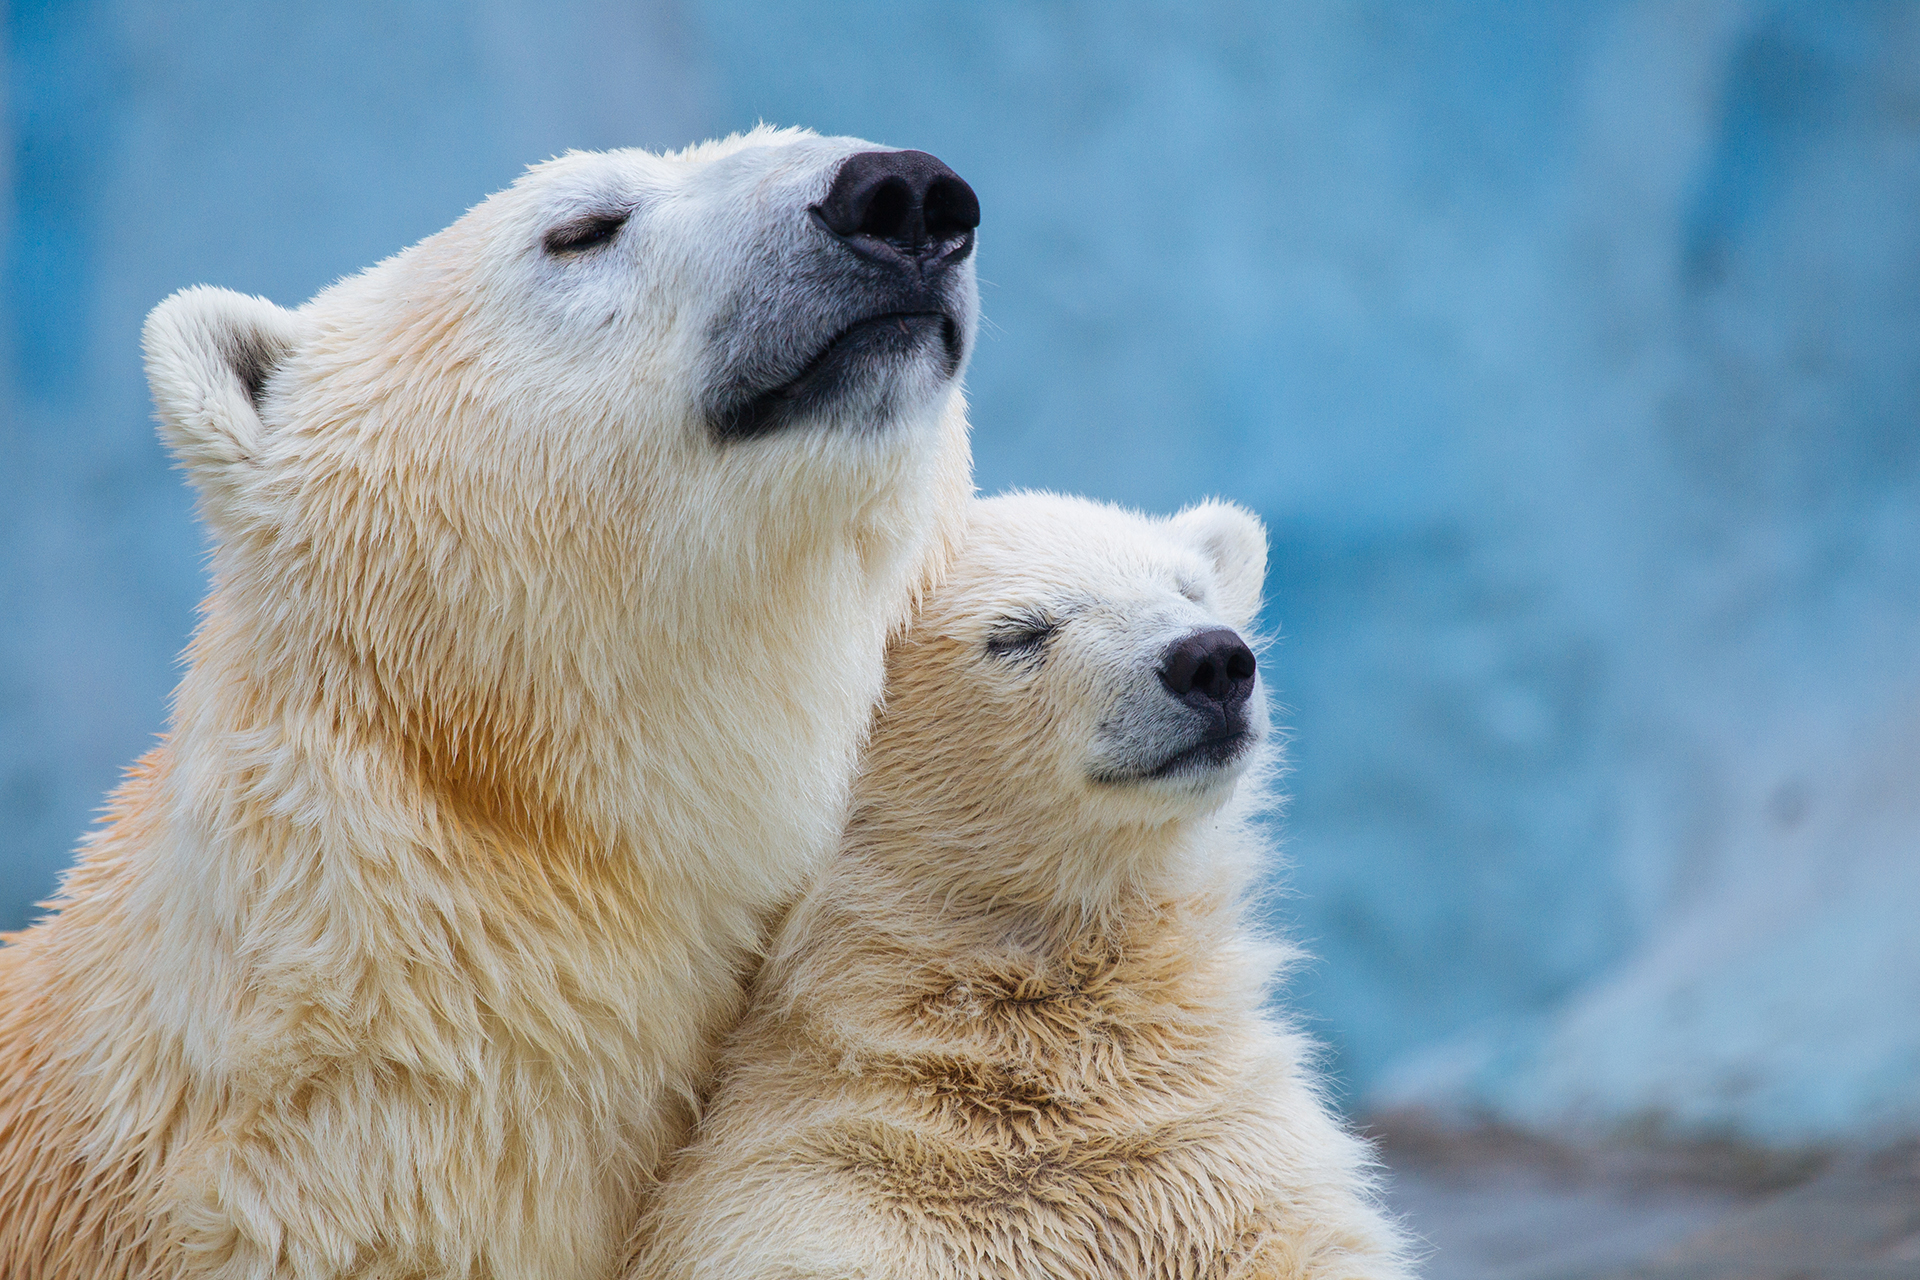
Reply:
x=554, y=561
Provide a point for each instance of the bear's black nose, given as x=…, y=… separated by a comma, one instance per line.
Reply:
x=884, y=203
x=1211, y=666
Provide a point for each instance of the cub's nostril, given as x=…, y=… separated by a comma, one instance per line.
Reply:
x=908, y=199
x=1215, y=665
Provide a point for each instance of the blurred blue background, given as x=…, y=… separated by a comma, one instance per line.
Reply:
x=1570, y=350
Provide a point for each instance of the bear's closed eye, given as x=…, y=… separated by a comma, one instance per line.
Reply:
x=584, y=233
x=1021, y=635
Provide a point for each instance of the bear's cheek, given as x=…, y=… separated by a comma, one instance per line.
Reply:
x=1057, y=732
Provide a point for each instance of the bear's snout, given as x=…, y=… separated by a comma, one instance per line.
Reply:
x=865, y=315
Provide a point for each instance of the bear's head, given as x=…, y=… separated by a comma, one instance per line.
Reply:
x=741, y=313
x=1075, y=697
x=629, y=450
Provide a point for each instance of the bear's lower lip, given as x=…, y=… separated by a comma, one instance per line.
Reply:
x=904, y=323
x=1208, y=753
x=893, y=335
x=1212, y=752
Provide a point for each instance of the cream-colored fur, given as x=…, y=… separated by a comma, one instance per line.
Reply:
x=519, y=703
x=1018, y=1030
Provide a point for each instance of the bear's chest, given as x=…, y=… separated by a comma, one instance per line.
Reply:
x=1082, y=1126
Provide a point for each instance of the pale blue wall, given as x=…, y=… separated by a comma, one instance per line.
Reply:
x=1572, y=352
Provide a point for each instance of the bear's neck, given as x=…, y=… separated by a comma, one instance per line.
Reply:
x=727, y=735
x=1043, y=865
x=876, y=937
x=534, y=819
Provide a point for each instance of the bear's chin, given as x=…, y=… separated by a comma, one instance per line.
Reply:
x=1209, y=759
x=873, y=373
x=1213, y=761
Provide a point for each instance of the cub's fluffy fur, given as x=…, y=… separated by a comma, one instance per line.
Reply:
x=522, y=698
x=1018, y=1029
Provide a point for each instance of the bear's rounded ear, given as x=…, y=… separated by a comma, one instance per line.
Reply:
x=1233, y=538
x=209, y=354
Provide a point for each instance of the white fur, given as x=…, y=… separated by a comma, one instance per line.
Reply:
x=1018, y=1029
x=520, y=702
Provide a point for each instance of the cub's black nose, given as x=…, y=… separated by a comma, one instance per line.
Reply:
x=1211, y=666
x=903, y=201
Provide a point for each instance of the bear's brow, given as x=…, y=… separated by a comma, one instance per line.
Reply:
x=1050, y=611
x=1034, y=614
x=1039, y=616
x=580, y=205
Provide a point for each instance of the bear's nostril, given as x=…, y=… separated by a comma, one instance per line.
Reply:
x=951, y=209
x=889, y=211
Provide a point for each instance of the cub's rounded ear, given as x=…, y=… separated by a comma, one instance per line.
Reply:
x=1233, y=538
x=209, y=355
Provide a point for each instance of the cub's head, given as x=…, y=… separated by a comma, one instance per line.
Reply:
x=1077, y=694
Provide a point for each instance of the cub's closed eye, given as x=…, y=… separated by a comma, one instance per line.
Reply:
x=584, y=233
x=1020, y=636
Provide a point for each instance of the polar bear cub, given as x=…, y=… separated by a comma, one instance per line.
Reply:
x=1018, y=1027
x=555, y=560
